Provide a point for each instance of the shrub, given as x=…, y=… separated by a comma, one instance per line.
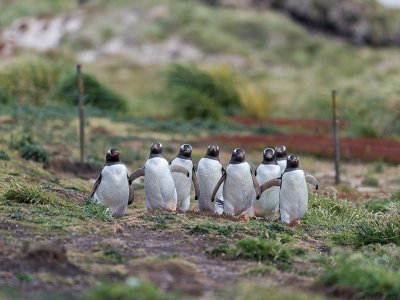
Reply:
x=95, y=93
x=4, y=155
x=197, y=94
x=354, y=271
x=35, y=152
x=29, y=80
x=255, y=101
x=113, y=255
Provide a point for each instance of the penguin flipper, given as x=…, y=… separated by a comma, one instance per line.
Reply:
x=95, y=186
x=131, y=195
x=256, y=186
x=179, y=169
x=270, y=184
x=196, y=185
x=220, y=181
x=311, y=180
x=136, y=174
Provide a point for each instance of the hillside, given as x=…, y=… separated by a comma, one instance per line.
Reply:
x=278, y=67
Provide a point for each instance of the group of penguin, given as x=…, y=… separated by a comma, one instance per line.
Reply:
x=277, y=185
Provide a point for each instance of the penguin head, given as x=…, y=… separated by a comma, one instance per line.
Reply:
x=293, y=161
x=269, y=154
x=112, y=155
x=280, y=151
x=185, y=151
x=155, y=149
x=212, y=151
x=238, y=156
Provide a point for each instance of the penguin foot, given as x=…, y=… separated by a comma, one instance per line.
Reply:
x=294, y=223
x=244, y=217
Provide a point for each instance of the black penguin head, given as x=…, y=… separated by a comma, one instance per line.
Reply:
x=269, y=154
x=292, y=161
x=112, y=155
x=238, y=156
x=280, y=151
x=185, y=151
x=212, y=152
x=155, y=149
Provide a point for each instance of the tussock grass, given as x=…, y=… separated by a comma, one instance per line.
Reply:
x=330, y=212
x=255, y=249
x=383, y=205
x=49, y=209
x=368, y=278
x=26, y=193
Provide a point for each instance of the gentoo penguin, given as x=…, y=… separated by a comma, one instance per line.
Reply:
x=293, y=196
x=281, y=153
x=158, y=183
x=240, y=185
x=267, y=170
x=183, y=183
x=113, y=187
x=209, y=171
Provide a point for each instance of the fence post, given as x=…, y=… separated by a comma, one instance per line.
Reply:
x=336, y=139
x=81, y=114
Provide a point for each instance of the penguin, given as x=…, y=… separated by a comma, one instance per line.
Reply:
x=158, y=183
x=267, y=170
x=240, y=185
x=113, y=186
x=209, y=171
x=281, y=153
x=293, y=196
x=183, y=183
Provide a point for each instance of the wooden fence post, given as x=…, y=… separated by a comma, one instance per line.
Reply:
x=336, y=139
x=81, y=113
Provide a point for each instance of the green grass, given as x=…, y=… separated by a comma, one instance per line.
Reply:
x=132, y=289
x=363, y=276
x=255, y=249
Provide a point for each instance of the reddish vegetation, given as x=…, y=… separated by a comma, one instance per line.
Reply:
x=322, y=145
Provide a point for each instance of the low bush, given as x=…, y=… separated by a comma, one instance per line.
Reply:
x=35, y=152
x=4, y=155
x=95, y=93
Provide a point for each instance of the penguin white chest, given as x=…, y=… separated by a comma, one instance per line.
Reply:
x=209, y=171
x=238, y=189
x=113, y=190
x=159, y=185
x=282, y=163
x=293, y=197
x=269, y=200
x=183, y=183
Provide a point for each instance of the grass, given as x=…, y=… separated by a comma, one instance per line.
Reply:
x=254, y=249
x=133, y=288
x=362, y=276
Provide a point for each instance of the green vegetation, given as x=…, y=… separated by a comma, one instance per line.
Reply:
x=96, y=94
x=4, y=155
x=255, y=249
x=383, y=205
x=363, y=276
x=132, y=289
